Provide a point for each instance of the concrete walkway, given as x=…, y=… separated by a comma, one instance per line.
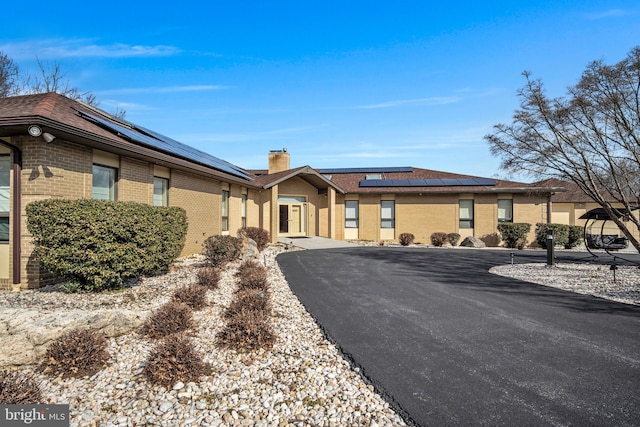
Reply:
x=316, y=242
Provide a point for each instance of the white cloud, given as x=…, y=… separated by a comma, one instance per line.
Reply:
x=607, y=14
x=434, y=100
x=276, y=134
x=161, y=89
x=79, y=48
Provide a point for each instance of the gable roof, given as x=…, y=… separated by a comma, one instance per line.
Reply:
x=79, y=122
x=307, y=173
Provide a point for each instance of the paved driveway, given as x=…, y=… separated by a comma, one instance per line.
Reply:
x=450, y=344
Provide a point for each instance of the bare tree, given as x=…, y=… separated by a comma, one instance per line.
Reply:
x=9, y=77
x=591, y=137
x=50, y=79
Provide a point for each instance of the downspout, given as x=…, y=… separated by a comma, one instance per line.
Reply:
x=16, y=218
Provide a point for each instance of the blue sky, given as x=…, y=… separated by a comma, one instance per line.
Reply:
x=339, y=84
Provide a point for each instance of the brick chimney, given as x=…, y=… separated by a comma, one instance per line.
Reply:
x=278, y=161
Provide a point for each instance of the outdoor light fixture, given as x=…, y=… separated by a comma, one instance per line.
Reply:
x=35, y=130
x=48, y=137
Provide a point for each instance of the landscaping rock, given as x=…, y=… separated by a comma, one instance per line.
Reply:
x=249, y=249
x=473, y=242
x=26, y=333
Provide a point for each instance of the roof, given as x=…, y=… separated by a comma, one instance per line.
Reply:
x=572, y=193
x=77, y=122
x=417, y=180
x=307, y=173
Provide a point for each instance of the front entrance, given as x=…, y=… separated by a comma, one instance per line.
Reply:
x=292, y=216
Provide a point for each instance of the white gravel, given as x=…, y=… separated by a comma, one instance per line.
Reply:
x=589, y=279
x=302, y=381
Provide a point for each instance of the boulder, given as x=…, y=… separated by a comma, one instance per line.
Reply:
x=249, y=249
x=473, y=242
x=26, y=333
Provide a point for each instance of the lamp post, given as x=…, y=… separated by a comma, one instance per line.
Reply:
x=550, y=248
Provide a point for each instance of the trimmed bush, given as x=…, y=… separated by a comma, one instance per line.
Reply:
x=170, y=318
x=98, y=244
x=78, y=353
x=173, y=360
x=406, y=239
x=574, y=237
x=514, y=234
x=453, y=238
x=220, y=250
x=560, y=234
x=247, y=330
x=248, y=266
x=193, y=295
x=18, y=388
x=209, y=277
x=438, y=238
x=257, y=234
x=248, y=300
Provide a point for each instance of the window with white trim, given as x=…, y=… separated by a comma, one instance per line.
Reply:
x=243, y=210
x=5, y=196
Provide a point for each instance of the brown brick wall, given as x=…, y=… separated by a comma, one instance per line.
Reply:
x=135, y=183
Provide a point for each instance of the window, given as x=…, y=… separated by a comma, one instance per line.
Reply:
x=373, y=176
x=160, y=190
x=505, y=210
x=225, y=210
x=466, y=213
x=243, y=214
x=104, y=182
x=387, y=214
x=5, y=174
x=351, y=214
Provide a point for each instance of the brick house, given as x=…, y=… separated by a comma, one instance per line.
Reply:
x=54, y=147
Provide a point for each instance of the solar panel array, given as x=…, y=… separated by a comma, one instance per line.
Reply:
x=367, y=170
x=140, y=135
x=432, y=182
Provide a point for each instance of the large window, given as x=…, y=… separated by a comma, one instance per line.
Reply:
x=351, y=214
x=5, y=174
x=505, y=210
x=160, y=191
x=104, y=182
x=466, y=213
x=387, y=214
x=243, y=211
x=225, y=210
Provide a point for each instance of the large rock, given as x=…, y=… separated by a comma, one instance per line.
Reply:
x=249, y=249
x=26, y=333
x=473, y=242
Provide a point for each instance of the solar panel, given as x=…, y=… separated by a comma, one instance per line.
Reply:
x=163, y=143
x=367, y=170
x=432, y=182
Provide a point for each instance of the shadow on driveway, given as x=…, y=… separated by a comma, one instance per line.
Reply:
x=448, y=343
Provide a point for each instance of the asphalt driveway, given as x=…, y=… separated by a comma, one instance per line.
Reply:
x=447, y=343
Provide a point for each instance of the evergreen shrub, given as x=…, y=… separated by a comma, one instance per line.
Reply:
x=514, y=234
x=575, y=236
x=560, y=234
x=98, y=244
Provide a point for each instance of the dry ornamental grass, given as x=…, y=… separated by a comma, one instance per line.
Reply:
x=174, y=359
x=77, y=353
x=193, y=295
x=170, y=318
x=18, y=388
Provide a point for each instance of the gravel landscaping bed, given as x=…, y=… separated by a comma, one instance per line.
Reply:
x=589, y=279
x=303, y=380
